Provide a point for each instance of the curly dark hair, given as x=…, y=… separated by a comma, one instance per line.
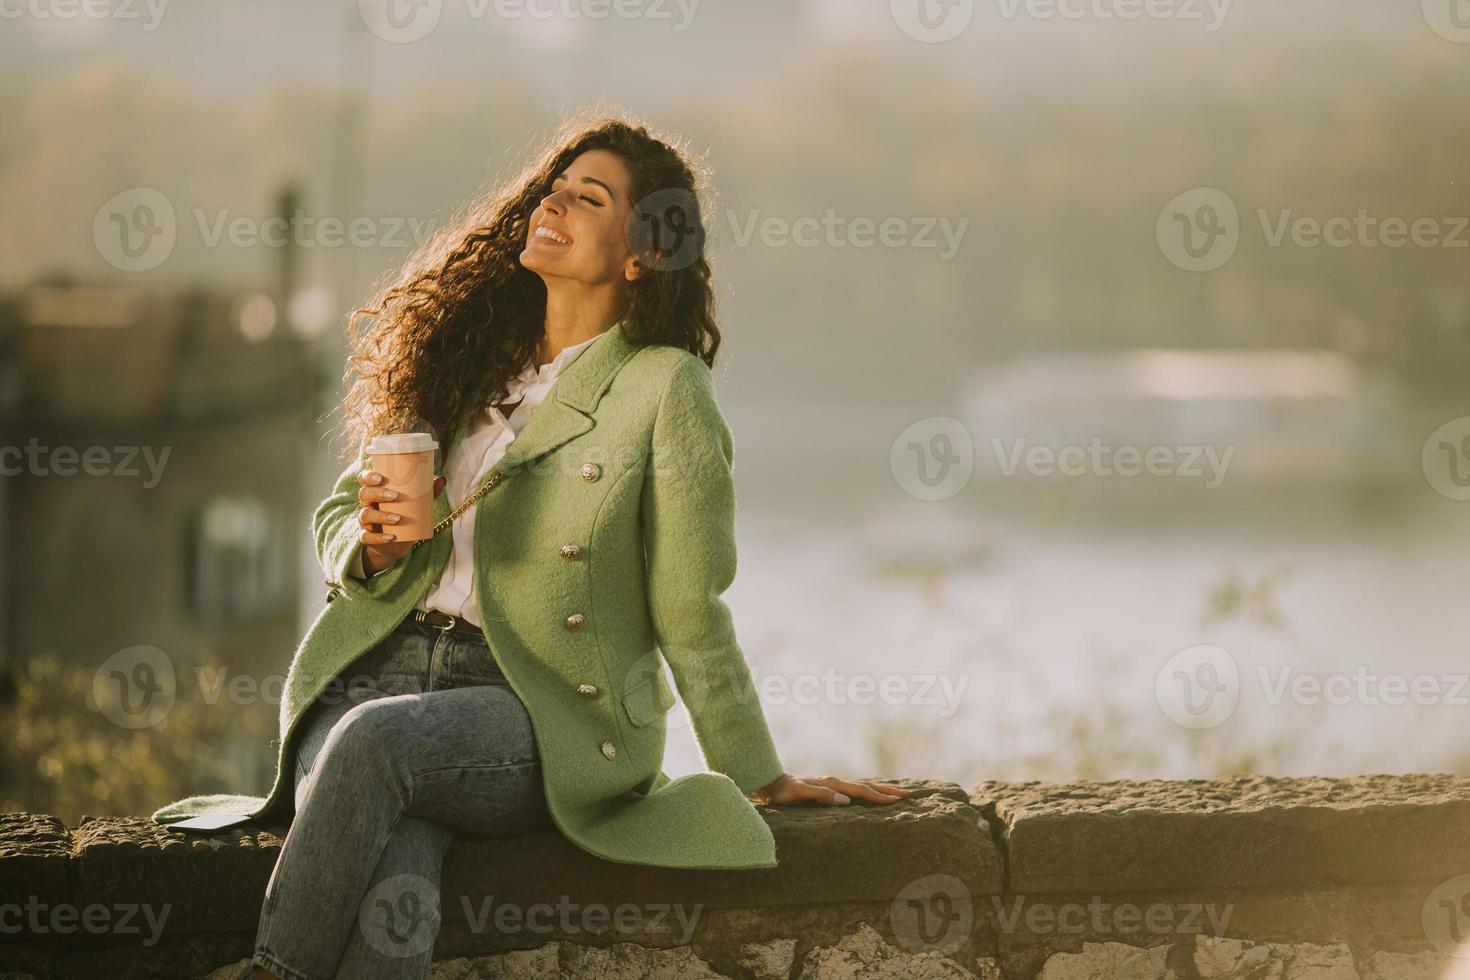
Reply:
x=463, y=316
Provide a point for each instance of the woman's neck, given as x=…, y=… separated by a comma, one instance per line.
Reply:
x=571, y=319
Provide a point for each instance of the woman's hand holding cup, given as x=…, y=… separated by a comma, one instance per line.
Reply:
x=379, y=546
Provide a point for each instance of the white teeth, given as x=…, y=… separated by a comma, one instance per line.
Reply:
x=544, y=232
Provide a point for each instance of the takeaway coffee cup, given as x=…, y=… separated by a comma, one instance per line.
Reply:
x=406, y=460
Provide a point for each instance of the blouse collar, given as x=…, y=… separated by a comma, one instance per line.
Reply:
x=532, y=372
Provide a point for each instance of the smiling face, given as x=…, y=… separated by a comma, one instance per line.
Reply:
x=577, y=232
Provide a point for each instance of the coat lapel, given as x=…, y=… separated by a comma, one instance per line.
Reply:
x=567, y=410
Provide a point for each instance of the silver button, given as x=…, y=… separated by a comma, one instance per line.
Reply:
x=609, y=750
x=575, y=620
x=587, y=689
x=591, y=471
x=570, y=551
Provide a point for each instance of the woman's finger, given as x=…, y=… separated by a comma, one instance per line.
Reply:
x=862, y=790
x=826, y=789
x=370, y=516
x=889, y=788
x=371, y=495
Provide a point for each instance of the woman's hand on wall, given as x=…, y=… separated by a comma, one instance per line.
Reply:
x=787, y=789
x=379, y=549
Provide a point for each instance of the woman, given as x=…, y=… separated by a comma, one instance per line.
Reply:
x=504, y=676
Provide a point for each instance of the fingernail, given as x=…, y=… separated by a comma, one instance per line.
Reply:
x=395, y=518
x=377, y=478
x=842, y=799
x=391, y=494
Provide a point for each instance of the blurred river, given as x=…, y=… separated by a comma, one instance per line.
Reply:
x=1018, y=628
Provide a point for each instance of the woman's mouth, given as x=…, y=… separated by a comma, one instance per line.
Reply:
x=547, y=236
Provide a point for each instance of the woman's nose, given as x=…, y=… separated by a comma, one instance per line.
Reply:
x=552, y=202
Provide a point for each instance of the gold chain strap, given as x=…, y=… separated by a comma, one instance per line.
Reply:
x=469, y=501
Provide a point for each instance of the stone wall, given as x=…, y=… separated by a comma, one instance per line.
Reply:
x=1251, y=877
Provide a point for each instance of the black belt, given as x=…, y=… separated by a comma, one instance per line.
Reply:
x=445, y=623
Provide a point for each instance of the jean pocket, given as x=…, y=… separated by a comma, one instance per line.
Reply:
x=397, y=665
x=474, y=664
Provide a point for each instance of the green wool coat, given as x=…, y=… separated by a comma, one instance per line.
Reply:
x=629, y=459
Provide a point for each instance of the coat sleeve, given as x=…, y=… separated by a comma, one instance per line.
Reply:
x=688, y=511
x=335, y=528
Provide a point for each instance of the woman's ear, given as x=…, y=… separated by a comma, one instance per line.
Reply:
x=634, y=269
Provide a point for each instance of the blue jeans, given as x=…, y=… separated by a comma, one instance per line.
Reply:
x=420, y=737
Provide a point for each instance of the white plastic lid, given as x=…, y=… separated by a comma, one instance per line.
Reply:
x=402, y=442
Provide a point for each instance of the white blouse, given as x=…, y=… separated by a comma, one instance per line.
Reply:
x=481, y=448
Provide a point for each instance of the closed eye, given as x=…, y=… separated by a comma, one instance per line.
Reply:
x=591, y=200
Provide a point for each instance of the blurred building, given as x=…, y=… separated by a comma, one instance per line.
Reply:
x=153, y=493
